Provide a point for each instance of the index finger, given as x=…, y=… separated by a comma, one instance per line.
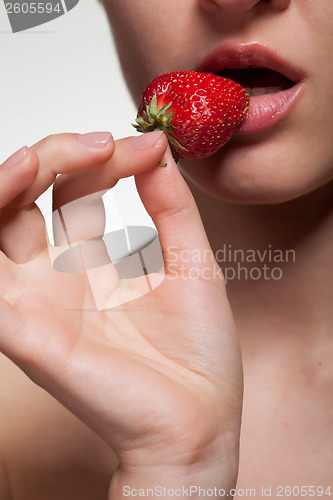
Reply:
x=131, y=156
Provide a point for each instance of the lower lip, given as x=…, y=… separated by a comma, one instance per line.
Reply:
x=268, y=110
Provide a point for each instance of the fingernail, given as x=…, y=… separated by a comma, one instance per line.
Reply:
x=146, y=141
x=16, y=158
x=95, y=139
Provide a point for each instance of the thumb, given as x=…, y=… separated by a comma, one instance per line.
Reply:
x=170, y=203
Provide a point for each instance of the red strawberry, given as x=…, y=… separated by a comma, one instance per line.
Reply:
x=197, y=111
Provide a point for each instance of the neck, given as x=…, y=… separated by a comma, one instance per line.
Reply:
x=277, y=261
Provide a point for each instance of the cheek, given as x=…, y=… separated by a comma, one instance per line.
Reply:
x=318, y=15
x=153, y=37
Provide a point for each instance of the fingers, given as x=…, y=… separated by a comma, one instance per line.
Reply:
x=66, y=153
x=17, y=173
x=131, y=156
x=78, y=208
x=169, y=202
x=22, y=225
x=22, y=233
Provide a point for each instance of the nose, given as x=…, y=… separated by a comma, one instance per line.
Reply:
x=245, y=5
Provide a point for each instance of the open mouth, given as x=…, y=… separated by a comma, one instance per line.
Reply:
x=258, y=80
x=273, y=83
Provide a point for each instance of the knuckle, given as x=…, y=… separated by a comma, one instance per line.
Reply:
x=52, y=140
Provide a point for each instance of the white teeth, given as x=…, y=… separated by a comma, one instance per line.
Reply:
x=273, y=90
x=257, y=91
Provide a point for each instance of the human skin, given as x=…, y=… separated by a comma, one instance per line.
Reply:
x=281, y=163
x=284, y=327
x=279, y=183
x=146, y=376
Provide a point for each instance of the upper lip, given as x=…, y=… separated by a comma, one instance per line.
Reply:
x=243, y=55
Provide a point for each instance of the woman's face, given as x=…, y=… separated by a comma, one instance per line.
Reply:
x=286, y=148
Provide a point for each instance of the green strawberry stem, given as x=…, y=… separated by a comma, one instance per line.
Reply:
x=155, y=119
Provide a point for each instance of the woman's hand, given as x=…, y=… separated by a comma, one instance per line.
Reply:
x=160, y=379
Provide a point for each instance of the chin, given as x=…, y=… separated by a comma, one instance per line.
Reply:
x=258, y=172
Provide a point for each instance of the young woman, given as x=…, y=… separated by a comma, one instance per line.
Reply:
x=160, y=380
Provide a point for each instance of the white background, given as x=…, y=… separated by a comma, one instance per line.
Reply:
x=62, y=76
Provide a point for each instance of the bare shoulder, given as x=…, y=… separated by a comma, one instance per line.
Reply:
x=46, y=452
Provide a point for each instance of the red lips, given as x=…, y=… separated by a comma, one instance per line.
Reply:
x=273, y=83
